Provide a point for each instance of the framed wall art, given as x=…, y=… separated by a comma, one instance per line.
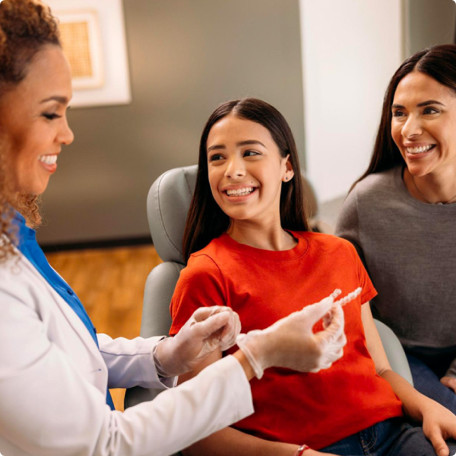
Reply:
x=93, y=39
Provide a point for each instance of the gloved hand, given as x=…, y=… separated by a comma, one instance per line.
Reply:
x=291, y=343
x=208, y=329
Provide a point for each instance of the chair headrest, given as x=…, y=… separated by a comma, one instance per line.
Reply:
x=168, y=203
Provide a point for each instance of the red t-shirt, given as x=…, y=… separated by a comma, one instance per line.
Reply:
x=263, y=286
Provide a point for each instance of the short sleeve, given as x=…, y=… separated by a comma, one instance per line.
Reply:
x=364, y=280
x=200, y=284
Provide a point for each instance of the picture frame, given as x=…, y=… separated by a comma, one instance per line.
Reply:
x=93, y=39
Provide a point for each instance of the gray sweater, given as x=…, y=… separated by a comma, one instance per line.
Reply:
x=409, y=250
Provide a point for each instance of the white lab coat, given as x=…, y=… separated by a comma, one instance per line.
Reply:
x=53, y=383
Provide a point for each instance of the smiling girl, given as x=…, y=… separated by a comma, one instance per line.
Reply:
x=249, y=248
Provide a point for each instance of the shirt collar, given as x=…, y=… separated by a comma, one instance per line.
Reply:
x=25, y=233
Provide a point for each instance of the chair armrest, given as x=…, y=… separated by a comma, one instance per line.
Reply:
x=394, y=351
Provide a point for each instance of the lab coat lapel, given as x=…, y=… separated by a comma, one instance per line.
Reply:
x=70, y=315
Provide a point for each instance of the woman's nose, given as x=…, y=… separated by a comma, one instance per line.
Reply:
x=235, y=168
x=66, y=134
x=412, y=127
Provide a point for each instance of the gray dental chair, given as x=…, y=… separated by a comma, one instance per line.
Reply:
x=168, y=202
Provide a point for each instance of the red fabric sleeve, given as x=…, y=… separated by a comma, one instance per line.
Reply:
x=365, y=282
x=200, y=284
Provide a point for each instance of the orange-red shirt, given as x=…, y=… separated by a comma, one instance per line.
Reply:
x=263, y=286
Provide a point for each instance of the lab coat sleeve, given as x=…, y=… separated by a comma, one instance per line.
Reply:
x=130, y=362
x=50, y=408
x=214, y=399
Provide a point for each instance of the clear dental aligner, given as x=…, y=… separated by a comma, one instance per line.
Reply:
x=346, y=299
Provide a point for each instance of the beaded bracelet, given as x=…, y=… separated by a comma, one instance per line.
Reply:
x=301, y=449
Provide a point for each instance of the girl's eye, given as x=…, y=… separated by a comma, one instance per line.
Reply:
x=250, y=153
x=51, y=115
x=215, y=157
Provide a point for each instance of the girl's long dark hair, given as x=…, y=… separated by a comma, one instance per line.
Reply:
x=205, y=220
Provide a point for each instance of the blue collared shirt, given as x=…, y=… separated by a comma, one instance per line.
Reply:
x=32, y=251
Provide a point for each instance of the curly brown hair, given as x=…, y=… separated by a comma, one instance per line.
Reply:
x=25, y=27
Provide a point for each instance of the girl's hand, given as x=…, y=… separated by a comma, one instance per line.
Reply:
x=439, y=424
x=450, y=382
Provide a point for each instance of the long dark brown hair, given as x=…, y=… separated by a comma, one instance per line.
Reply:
x=25, y=27
x=205, y=220
x=438, y=62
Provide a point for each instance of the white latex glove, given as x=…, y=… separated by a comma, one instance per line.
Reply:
x=208, y=329
x=290, y=342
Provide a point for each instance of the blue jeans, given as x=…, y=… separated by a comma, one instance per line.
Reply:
x=393, y=437
x=426, y=381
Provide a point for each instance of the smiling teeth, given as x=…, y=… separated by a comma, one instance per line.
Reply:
x=48, y=159
x=240, y=191
x=418, y=150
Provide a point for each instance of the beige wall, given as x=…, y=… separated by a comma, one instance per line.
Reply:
x=185, y=58
x=347, y=65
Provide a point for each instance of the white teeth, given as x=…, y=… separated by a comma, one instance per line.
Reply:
x=48, y=159
x=418, y=150
x=240, y=191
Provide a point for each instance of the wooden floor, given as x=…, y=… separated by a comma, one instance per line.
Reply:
x=110, y=284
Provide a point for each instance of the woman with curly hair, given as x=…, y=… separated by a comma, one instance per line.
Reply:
x=55, y=370
x=17, y=48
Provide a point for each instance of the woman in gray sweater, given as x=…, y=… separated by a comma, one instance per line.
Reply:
x=401, y=217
